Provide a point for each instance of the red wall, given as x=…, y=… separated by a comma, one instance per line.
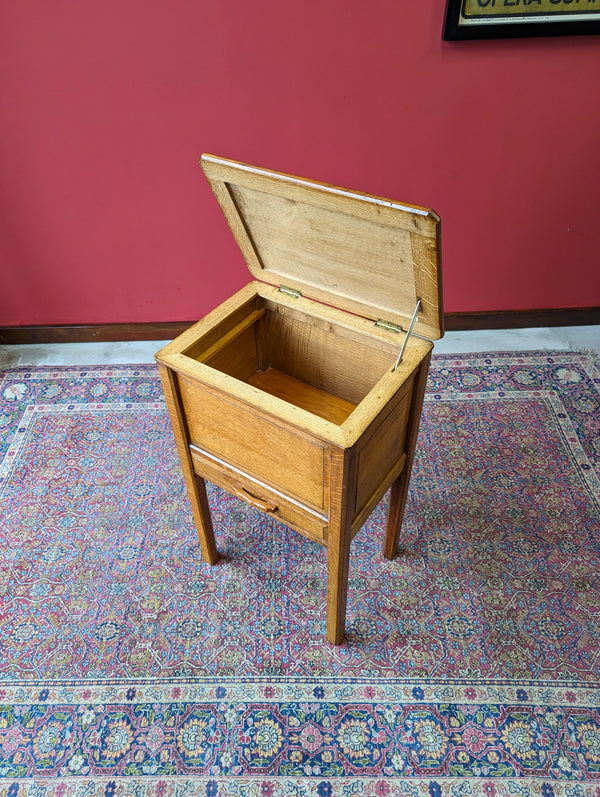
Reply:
x=105, y=108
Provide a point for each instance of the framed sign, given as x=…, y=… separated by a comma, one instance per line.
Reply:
x=494, y=19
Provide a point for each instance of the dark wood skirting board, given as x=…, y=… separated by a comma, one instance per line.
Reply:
x=106, y=333
x=521, y=319
x=89, y=333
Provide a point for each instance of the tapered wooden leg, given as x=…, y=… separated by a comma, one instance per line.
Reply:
x=204, y=526
x=398, y=495
x=337, y=582
x=399, y=490
x=342, y=487
x=196, y=487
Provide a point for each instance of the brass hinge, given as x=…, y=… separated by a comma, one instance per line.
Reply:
x=389, y=325
x=290, y=291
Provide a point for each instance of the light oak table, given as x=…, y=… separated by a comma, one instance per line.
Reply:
x=292, y=394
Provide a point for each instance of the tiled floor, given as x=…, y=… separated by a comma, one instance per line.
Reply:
x=585, y=338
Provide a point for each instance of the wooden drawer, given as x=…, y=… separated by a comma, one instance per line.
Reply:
x=308, y=522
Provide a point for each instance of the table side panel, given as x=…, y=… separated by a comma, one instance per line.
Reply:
x=382, y=447
x=253, y=442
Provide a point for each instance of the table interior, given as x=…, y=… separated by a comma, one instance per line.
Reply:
x=316, y=364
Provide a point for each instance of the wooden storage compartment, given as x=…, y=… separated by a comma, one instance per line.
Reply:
x=311, y=363
x=302, y=393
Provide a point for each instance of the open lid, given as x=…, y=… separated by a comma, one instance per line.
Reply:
x=361, y=253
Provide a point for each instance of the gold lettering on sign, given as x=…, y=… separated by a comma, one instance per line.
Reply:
x=502, y=8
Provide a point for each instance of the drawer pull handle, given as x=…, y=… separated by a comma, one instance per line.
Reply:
x=264, y=506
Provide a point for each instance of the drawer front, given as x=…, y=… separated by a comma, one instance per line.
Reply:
x=240, y=435
x=259, y=495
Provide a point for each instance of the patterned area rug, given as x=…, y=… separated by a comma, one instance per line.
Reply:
x=472, y=661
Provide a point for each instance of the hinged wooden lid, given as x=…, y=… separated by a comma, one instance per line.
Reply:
x=361, y=253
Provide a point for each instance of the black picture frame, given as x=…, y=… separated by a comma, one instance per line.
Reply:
x=518, y=23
